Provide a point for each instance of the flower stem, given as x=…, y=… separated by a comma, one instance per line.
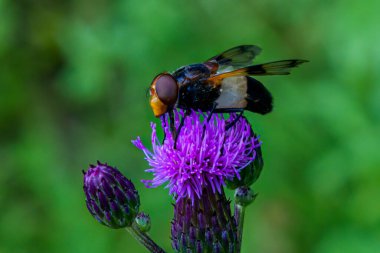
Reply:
x=144, y=239
x=239, y=217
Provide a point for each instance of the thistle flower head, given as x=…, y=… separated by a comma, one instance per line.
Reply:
x=206, y=153
x=110, y=197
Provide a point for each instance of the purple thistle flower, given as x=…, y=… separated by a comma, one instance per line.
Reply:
x=206, y=154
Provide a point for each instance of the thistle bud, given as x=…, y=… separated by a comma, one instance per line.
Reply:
x=244, y=196
x=110, y=197
x=143, y=222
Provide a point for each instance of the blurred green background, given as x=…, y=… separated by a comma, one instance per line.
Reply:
x=73, y=77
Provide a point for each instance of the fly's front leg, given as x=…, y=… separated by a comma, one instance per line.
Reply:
x=171, y=122
x=187, y=113
x=163, y=119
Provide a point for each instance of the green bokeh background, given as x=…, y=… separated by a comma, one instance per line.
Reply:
x=73, y=76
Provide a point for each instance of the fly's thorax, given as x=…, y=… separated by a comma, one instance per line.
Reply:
x=198, y=96
x=191, y=73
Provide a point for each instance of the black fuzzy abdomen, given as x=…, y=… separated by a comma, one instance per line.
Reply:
x=258, y=97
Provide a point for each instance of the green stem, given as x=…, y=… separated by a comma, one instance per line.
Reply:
x=144, y=239
x=239, y=217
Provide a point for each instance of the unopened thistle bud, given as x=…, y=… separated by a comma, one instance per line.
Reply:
x=143, y=222
x=244, y=196
x=110, y=197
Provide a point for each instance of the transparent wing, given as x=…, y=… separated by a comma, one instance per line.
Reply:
x=270, y=68
x=236, y=57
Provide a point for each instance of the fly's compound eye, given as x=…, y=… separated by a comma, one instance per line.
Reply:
x=167, y=89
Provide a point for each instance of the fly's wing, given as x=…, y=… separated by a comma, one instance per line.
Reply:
x=271, y=68
x=236, y=57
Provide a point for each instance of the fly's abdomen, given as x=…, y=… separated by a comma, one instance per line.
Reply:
x=242, y=92
x=258, y=97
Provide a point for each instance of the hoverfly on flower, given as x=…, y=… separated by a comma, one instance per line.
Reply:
x=222, y=84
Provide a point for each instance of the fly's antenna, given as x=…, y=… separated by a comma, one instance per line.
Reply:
x=147, y=92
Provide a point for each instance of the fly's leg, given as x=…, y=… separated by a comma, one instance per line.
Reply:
x=171, y=122
x=214, y=105
x=187, y=113
x=163, y=119
x=229, y=125
x=209, y=118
